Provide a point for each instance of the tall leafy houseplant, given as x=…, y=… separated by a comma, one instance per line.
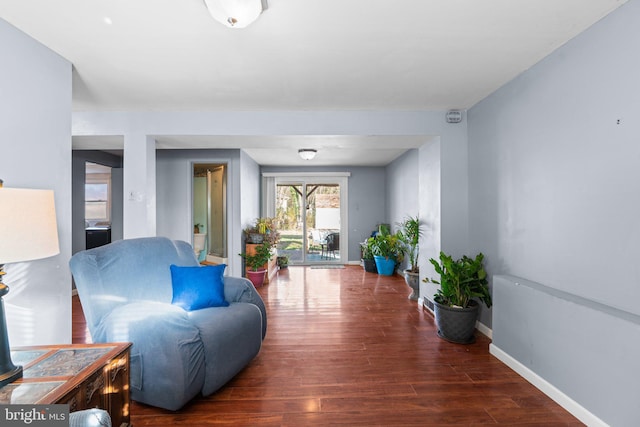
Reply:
x=455, y=308
x=409, y=234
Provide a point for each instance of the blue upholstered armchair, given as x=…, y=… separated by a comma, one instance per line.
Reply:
x=192, y=329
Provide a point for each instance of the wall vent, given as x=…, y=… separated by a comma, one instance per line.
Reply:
x=454, y=116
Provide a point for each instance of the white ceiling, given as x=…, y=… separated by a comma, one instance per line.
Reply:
x=308, y=55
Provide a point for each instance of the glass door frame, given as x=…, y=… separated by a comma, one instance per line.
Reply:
x=305, y=180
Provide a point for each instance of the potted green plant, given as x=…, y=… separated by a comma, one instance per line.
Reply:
x=387, y=252
x=256, y=262
x=368, y=262
x=409, y=234
x=455, y=306
x=283, y=261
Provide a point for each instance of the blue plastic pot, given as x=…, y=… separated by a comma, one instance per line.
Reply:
x=385, y=266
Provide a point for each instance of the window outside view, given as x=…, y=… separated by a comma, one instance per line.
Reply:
x=96, y=202
x=97, y=194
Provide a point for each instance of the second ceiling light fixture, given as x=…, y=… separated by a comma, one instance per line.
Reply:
x=307, y=153
x=236, y=13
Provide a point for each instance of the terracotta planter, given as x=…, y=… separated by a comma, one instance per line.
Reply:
x=256, y=277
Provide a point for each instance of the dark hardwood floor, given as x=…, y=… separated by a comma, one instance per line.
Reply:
x=345, y=347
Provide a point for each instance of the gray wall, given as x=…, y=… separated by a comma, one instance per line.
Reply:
x=250, y=185
x=554, y=179
x=367, y=204
x=35, y=141
x=403, y=190
x=554, y=183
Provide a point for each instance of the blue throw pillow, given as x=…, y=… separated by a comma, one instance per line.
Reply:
x=198, y=287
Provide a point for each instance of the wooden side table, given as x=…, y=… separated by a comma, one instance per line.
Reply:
x=81, y=375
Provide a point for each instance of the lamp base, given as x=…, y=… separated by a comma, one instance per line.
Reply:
x=8, y=371
x=10, y=376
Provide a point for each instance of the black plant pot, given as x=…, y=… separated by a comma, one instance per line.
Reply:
x=370, y=266
x=456, y=324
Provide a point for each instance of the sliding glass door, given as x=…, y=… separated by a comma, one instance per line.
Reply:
x=323, y=222
x=290, y=216
x=311, y=215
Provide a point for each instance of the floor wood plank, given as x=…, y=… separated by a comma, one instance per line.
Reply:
x=345, y=347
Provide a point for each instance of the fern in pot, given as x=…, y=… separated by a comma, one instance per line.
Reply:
x=462, y=282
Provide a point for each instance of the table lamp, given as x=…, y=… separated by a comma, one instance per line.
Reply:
x=28, y=231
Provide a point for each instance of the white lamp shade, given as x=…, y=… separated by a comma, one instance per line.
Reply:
x=234, y=13
x=28, y=228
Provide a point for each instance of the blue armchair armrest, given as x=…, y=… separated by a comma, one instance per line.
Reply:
x=240, y=289
x=164, y=341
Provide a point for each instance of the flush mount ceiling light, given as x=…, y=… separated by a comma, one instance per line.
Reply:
x=236, y=13
x=307, y=153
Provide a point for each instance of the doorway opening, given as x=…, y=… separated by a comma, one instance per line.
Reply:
x=210, y=212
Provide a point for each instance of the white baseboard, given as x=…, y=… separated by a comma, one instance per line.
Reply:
x=484, y=330
x=541, y=384
x=547, y=388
